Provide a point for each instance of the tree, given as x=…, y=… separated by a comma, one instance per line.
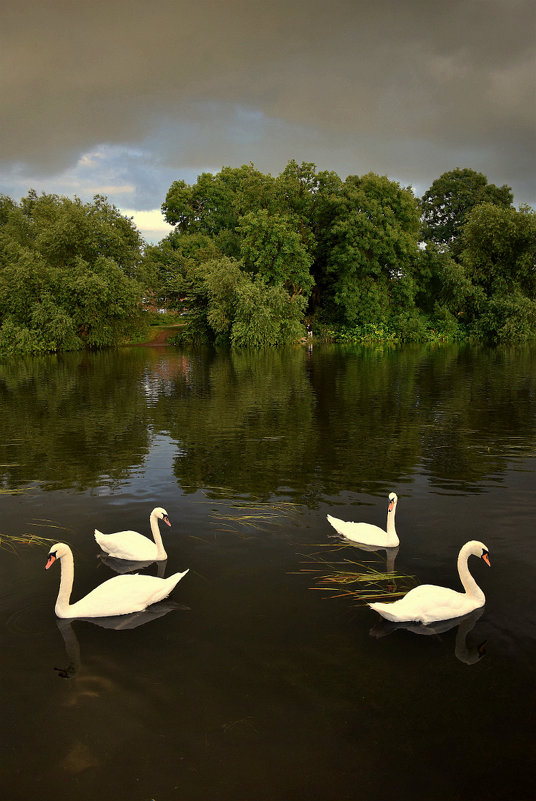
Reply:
x=499, y=248
x=499, y=254
x=373, y=245
x=215, y=203
x=68, y=274
x=449, y=200
x=270, y=247
x=228, y=304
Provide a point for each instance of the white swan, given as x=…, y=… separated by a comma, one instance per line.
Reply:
x=368, y=534
x=120, y=595
x=429, y=602
x=133, y=546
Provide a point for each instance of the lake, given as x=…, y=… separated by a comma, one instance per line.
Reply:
x=265, y=677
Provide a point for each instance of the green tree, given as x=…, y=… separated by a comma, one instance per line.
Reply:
x=373, y=246
x=499, y=248
x=449, y=200
x=499, y=255
x=228, y=304
x=69, y=274
x=269, y=246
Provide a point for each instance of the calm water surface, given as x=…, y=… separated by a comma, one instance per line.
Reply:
x=256, y=684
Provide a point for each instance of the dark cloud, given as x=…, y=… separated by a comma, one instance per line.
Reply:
x=408, y=88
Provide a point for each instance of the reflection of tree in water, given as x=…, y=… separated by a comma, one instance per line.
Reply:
x=278, y=421
x=258, y=423
x=70, y=420
x=244, y=421
x=485, y=411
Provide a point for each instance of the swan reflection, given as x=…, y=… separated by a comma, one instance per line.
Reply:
x=390, y=554
x=467, y=653
x=118, y=623
x=128, y=565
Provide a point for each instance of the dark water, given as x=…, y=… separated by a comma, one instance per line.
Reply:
x=254, y=686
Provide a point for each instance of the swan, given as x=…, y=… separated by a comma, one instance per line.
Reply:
x=368, y=534
x=120, y=595
x=429, y=603
x=133, y=546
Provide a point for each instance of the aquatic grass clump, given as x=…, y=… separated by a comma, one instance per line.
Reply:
x=362, y=582
x=10, y=541
x=256, y=516
x=240, y=515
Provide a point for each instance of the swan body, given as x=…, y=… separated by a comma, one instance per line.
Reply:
x=368, y=534
x=120, y=595
x=133, y=546
x=430, y=603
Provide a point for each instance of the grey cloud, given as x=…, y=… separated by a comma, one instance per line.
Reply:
x=407, y=88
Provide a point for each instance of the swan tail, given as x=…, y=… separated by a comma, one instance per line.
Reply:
x=336, y=523
x=176, y=577
x=168, y=586
x=384, y=610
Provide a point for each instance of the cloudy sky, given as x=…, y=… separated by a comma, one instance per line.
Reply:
x=122, y=97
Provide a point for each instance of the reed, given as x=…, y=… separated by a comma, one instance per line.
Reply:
x=10, y=541
x=361, y=582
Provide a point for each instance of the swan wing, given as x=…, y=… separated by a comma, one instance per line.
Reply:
x=127, y=545
x=122, y=595
x=366, y=533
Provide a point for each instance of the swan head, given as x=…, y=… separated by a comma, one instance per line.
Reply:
x=393, y=499
x=58, y=551
x=477, y=548
x=160, y=514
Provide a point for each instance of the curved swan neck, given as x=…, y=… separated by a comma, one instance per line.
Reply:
x=391, y=530
x=469, y=584
x=155, y=528
x=66, y=584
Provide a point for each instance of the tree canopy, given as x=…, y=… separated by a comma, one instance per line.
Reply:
x=71, y=274
x=253, y=258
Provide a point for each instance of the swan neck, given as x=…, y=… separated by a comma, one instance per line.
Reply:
x=66, y=585
x=391, y=530
x=155, y=528
x=469, y=584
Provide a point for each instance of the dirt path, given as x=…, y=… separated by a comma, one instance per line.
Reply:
x=161, y=337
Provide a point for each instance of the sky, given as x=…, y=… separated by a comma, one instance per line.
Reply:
x=123, y=97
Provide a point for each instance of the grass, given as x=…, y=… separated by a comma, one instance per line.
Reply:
x=360, y=582
x=254, y=516
x=9, y=542
x=240, y=516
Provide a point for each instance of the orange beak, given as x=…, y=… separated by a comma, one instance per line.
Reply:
x=485, y=557
x=50, y=561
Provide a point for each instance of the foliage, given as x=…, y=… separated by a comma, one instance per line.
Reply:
x=271, y=248
x=69, y=275
x=499, y=248
x=227, y=304
x=266, y=315
x=253, y=258
x=373, y=247
x=352, y=250
x=449, y=200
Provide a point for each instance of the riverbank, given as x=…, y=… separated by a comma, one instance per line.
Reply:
x=159, y=335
